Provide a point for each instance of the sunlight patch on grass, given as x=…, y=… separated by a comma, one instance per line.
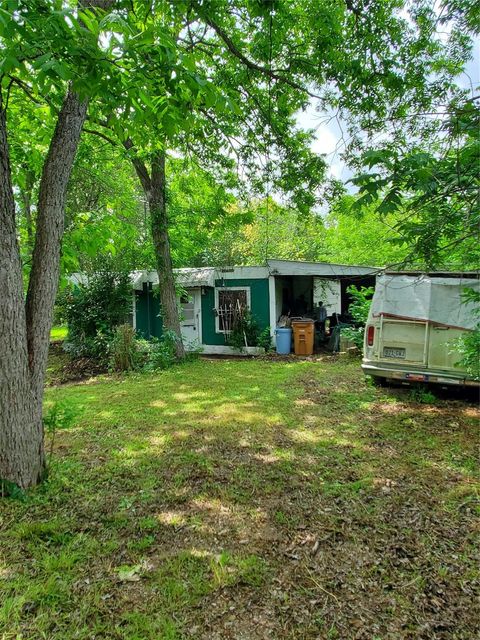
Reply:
x=5, y=572
x=172, y=518
x=213, y=506
x=58, y=333
x=105, y=414
x=238, y=414
x=266, y=458
x=188, y=397
x=159, y=441
x=159, y=404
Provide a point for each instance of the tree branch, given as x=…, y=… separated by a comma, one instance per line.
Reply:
x=274, y=74
x=101, y=135
x=140, y=167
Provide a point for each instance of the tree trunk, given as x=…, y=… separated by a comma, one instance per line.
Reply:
x=25, y=328
x=45, y=273
x=161, y=243
x=154, y=188
x=21, y=433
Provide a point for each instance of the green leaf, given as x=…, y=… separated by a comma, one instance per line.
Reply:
x=9, y=63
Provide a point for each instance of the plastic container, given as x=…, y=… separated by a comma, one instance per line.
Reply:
x=303, y=336
x=284, y=340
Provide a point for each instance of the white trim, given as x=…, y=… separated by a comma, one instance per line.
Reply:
x=134, y=311
x=272, y=304
x=224, y=350
x=218, y=289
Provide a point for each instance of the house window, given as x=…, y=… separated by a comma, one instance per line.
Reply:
x=187, y=310
x=229, y=301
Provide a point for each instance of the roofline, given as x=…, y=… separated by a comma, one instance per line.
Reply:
x=433, y=274
x=330, y=264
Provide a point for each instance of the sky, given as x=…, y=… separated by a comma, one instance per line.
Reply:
x=328, y=135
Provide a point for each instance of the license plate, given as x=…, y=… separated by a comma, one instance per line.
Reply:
x=390, y=352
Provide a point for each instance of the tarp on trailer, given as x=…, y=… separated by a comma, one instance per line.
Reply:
x=439, y=300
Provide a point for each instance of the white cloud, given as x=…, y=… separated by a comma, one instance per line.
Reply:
x=325, y=140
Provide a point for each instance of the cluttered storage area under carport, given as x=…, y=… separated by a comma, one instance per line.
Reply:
x=312, y=301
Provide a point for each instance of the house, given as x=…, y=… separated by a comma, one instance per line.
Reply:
x=269, y=291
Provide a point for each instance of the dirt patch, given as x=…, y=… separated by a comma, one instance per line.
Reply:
x=63, y=369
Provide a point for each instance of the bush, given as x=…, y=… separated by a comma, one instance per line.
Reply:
x=358, y=310
x=93, y=312
x=124, y=349
x=193, y=350
x=469, y=344
x=265, y=340
x=246, y=329
x=469, y=347
x=129, y=353
x=423, y=396
x=159, y=353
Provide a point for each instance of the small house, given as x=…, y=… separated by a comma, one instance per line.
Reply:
x=278, y=288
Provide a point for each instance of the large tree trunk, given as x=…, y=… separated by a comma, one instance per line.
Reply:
x=45, y=273
x=155, y=187
x=161, y=243
x=25, y=328
x=21, y=437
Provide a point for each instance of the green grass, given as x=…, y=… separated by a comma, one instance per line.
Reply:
x=58, y=334
x=246, y=499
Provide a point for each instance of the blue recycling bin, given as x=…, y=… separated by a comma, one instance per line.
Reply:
x=284, y=340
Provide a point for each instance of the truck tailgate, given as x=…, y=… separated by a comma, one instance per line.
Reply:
x=403, y=341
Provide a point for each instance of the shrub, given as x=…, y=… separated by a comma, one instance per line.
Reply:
x=246, y=329
x=124, y=349
x=422, y=395
x=160, y=352
x=469, y=347
x=358, y=310
x=469, y=343
x=193, y=350
x=355, y=335
x=265, y=340
x=94, y=310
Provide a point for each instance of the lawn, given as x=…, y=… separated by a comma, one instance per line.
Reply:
x=247, y=500
x=59, y=333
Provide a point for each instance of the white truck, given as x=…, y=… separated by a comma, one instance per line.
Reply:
x=414, y=322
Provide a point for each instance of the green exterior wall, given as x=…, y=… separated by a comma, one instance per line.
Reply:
x=147, y=313
x=149, y=323
x=259, y=301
